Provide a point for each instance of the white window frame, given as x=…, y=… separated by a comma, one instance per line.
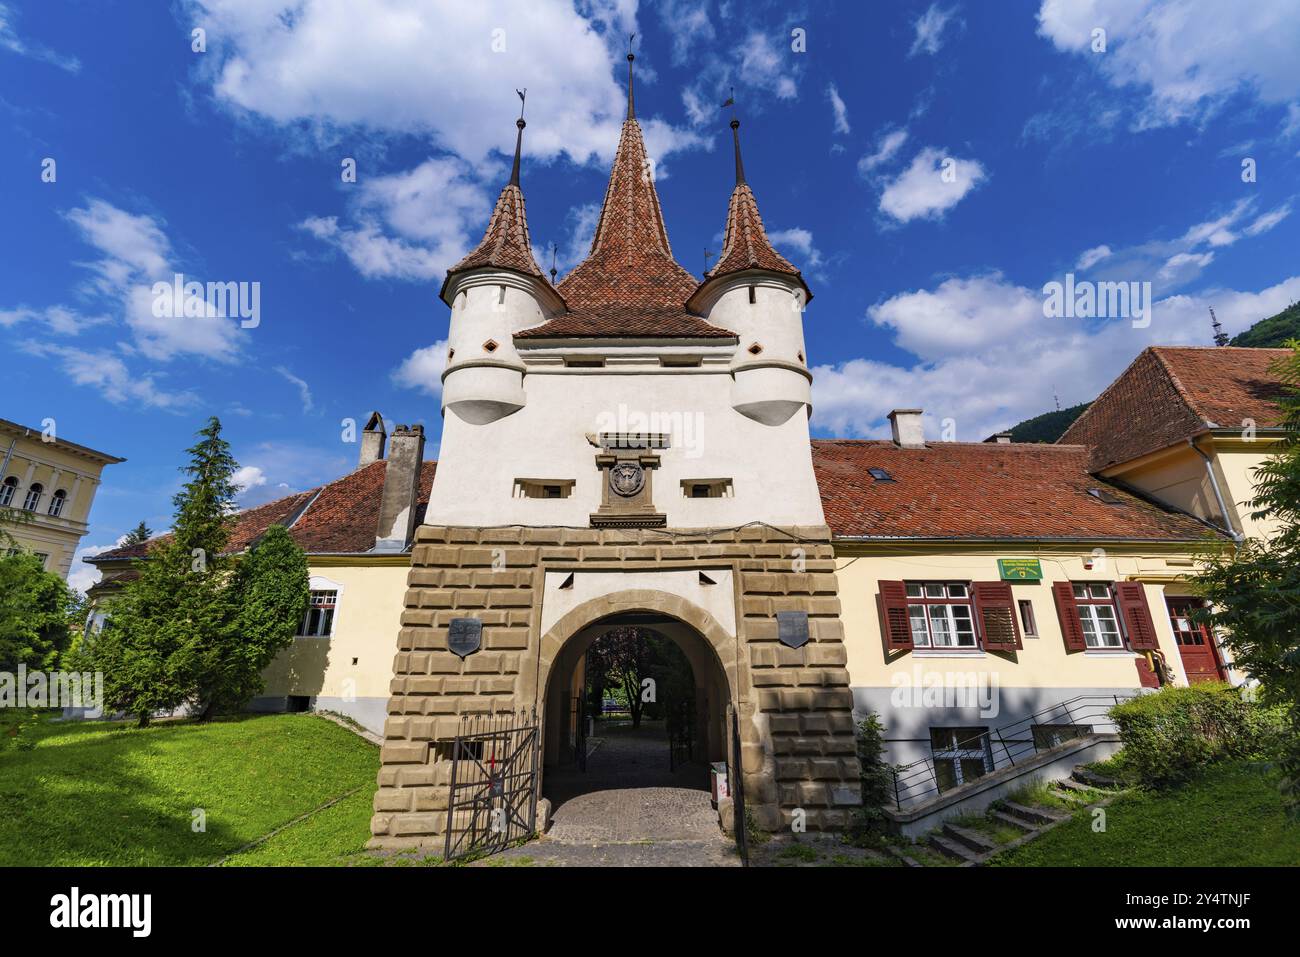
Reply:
x=983, y=754
x=941, y=597
x=32, y=504
x=318, y=583
x=1088, y=604
x=57, y=501
x=7, y=489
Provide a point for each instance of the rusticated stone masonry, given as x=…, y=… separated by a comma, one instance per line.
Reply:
x=795, y=706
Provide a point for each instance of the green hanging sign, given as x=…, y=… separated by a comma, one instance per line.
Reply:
x=1020, y=569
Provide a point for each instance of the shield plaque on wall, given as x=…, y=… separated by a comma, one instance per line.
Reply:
x=464, y=636
x=792, y=628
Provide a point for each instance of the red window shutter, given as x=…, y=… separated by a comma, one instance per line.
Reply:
x=1067, y=610
x=1147, y=677
x=996, y=612
x=1141, y=629
x=893, y=616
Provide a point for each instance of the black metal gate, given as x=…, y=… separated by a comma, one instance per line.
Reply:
x=738, y=791
x=680, y=722
x=493, y=799
x=578, y=732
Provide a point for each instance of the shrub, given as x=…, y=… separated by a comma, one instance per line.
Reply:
x=1170, y=735
x=870, y=821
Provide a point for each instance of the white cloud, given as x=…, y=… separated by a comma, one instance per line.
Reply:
x=688, y=23
x=1291, y=125
x=136, y=253
x=766, y=66
x=580, y=223
x=60, y=320
x=437, y=68
x=929, y=30
x=11, y=41
x=1172, y=264
x=82, y=576
x=1189, y=56
x=248, y=477
x=1015, y=366
x=887, y=145
x=934, y=183
x=423, y=369
x=838, y=108
x=761, y=65
x=797, y=243
x=1266, y=221
x=1090, y=257
x=959, y=316
x=304, y=390
x=106, y=372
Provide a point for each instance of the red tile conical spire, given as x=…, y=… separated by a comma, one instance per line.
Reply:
x=505, y=243
x=631, y=263
x=745, y=244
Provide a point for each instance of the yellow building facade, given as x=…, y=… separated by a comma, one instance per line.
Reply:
x=51, y=483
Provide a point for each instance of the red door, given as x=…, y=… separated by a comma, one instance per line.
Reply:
x=1195, y=642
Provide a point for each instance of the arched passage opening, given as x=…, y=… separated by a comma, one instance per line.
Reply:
x=610, y=777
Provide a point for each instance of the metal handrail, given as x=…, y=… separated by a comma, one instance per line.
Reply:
x=919, y=778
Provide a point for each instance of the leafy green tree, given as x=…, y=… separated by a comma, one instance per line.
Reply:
x=270, y=592
x=1254, y=591
x=138, y=535
x=196, y=626
x=36, y=609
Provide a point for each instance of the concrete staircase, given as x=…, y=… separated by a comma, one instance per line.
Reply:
x=970, y=848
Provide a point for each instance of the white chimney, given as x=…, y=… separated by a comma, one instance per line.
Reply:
x=401, y=489
x=373, y=438
x=908, y=433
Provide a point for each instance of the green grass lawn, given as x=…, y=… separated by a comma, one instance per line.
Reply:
x=1231, y=816
x=111, y=794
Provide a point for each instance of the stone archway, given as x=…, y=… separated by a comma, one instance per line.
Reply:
x=630, y=785
x=528, y=589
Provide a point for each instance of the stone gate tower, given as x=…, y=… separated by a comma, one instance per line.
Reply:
x=630, y=445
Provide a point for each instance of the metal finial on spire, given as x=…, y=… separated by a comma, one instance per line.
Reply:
x=740, y=166
x=553, y=269
x=631, y=104
x=519, y=137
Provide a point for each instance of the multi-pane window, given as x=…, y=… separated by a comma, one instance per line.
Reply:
x=1097, y=615
x=33, y=498
x=56, y=503
x=960, y=755
x=940, y=615
x=319, y=622
x=1028, y=624
x=7, y=490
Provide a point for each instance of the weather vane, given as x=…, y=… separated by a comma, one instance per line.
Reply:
x=523, y=95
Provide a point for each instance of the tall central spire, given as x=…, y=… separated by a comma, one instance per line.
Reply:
x=630, y=250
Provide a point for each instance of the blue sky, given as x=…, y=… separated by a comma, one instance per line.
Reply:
x=224, y=165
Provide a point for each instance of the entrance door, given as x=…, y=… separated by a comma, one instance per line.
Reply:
x=1195, y=642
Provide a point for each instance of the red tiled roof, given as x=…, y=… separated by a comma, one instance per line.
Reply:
x=505, y=244
x=339, y=518
x=949, y=490
x=745, y=244
x=629, y=286
x=981, y=490
x=1168, y=395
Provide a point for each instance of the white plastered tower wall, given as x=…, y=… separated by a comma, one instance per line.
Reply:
x=768, y=466
x=770, y=378
x=483, y=379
